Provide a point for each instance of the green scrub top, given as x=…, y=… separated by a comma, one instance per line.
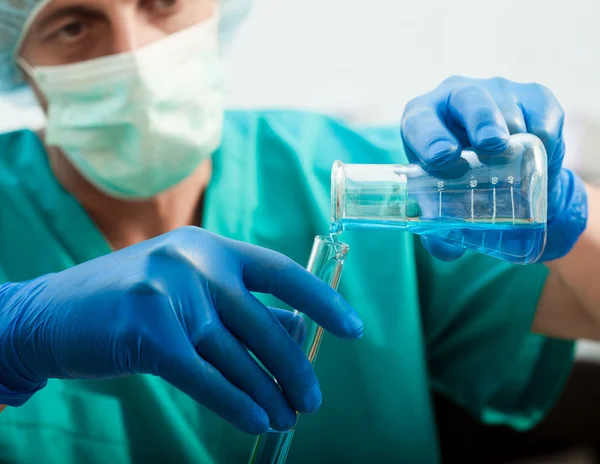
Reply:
x=460, y=328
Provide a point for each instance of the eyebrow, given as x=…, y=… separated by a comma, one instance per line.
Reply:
x=65, y=12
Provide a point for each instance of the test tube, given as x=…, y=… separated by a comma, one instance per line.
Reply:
x=326, y=262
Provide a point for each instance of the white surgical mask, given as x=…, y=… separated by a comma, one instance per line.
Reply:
x=138, y=123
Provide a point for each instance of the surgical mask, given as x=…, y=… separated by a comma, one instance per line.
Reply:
x=138, y=123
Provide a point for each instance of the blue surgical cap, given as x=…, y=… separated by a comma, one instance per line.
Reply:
x=15, y=14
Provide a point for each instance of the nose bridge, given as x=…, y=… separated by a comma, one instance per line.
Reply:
x=124, y=38
x=131, y=30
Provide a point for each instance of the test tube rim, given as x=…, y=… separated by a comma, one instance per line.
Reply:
x=326, y=239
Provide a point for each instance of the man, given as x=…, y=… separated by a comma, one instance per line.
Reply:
x=137, y=150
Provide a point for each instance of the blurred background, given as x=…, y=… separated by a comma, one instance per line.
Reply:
x=363, y=60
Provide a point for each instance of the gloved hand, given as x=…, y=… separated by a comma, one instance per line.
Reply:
x=482, y=113
x=178, y=306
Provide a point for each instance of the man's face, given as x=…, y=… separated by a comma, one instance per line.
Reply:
x=71, y=31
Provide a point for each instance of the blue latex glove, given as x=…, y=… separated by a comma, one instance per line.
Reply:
x=179, y=307
x=482, y=113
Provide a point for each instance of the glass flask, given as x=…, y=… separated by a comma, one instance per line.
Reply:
x=492, y=204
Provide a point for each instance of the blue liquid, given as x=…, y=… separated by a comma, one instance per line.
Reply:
x=520, y=242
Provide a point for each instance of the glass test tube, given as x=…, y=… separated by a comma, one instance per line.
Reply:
x=326, y=262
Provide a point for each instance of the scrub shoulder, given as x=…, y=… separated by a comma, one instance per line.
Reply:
x=48, y=231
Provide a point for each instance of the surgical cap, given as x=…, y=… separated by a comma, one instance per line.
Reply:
x=15, y=14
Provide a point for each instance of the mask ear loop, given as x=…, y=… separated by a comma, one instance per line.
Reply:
x=25, y=67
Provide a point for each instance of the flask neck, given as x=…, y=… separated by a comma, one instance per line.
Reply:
x=369, y=196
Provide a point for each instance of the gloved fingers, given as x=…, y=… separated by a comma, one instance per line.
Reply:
x=545, y=118
x=427, y=139
x=510, y=108
x=442, y=250
x=207, y=386
x=266, y=271
x=253, y=324
x=292, y=322
x=213, y=342
x=227, y=354
x=471, y=106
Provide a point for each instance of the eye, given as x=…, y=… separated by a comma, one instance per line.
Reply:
x=161, y=6
x=72, y=32
x=164, y=4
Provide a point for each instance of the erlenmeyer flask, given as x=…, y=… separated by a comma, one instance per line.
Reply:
x=494, y=205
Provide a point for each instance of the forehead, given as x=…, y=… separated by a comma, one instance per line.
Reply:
x=49, y=5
